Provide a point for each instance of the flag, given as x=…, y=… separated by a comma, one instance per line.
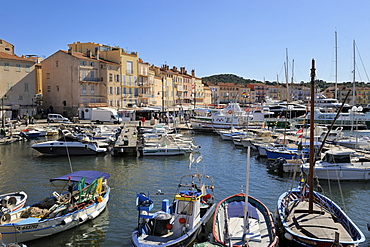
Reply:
x=301, y=136
x=300, y=131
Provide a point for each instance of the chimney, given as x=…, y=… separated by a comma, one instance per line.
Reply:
x=182, y=70
x=97, y=54
x=193, y=72
x=70, y=51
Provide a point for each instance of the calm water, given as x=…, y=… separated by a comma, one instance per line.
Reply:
x=24, y=169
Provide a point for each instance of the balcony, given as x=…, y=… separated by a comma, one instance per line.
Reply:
x=90, y=79
x=146, y=96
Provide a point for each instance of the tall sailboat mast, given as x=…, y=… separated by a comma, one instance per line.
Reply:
x=287, y=76
x=336, y=66
x=354, y=74
x=312, y=155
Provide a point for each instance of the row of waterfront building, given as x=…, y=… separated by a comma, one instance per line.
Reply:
x=93, y=75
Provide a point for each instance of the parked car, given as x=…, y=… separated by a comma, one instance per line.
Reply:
x=56, y=118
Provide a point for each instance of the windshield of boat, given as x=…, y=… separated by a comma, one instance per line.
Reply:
x=338, y=158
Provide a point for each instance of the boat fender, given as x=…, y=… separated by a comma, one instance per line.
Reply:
x=288, y=236
x=82, y=218
x=66, y=221
x=230, y=112
x=5, y=218
x=4, y=201
x=94, y=214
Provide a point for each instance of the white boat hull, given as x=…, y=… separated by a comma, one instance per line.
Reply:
x=350, y=171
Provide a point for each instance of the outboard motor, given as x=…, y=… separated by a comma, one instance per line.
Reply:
x=277, y=165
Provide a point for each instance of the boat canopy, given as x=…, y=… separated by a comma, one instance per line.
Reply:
x=89, y=176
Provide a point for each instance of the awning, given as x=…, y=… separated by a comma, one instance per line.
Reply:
x=89, y=176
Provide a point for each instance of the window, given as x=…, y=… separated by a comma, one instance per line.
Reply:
x=56, y=63
x=47, y=75
x=49, y=89
x=185, y=207
x=83, y=63
x=110, y=90
x=57, y=88
x=92, y=89
x=20, y=97
x=117, y=78
x=27, y=68
x=117, y=91
x=83, y=89
x=9, y=86
x=124, y=80
x=91, y=63
x=26, y=87
x=18, y=68
x=110, y=77
x=6, y=66
x=129, y=67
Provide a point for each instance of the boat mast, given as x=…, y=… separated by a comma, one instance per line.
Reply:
x=287, y=76
x=336, y=66
x=311, y=156
x=246, y=222
x=354, y=74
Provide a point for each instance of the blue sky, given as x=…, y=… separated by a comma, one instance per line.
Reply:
x=247, y=38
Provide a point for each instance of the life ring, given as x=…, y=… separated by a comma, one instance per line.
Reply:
x=230, y=111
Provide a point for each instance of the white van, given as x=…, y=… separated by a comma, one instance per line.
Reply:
x=57, y=118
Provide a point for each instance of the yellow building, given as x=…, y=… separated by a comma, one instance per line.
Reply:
x=18, y=82
x=126, y=80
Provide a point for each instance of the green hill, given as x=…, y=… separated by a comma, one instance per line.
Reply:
x=228, y=78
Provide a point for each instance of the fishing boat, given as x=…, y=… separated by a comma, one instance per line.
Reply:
x=179, y=223
x=86, y=197
x=241, y=220
x=308, y=218
x=12, y=201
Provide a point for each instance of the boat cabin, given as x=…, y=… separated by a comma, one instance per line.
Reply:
x=188, y=206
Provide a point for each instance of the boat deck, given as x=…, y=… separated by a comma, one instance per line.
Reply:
x=320, y=224
x=257, y=237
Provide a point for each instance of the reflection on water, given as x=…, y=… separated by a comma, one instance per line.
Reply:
x=25, y=169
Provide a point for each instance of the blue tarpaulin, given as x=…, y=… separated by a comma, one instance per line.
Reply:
x=89, y=176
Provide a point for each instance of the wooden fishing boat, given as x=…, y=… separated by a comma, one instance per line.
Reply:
x=86, y=197
x=308, y=218
x=242, y=220
x=228, y=223
x=180, y=223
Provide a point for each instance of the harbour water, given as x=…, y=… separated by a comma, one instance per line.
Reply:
x=25, y=169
